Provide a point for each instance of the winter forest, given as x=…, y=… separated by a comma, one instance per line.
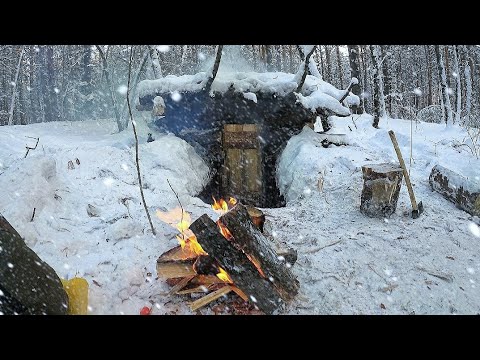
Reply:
x=239, y=180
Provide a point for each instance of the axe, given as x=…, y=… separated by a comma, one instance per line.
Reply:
x=416, y=209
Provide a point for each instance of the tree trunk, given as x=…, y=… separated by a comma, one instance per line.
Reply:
x=468, y=83
x=110, y=88
x=339, y=65
x=429, y=75
x=353, y=56
x=86, y=84
x=458, y=110
x=14, y=91
x=376, y=87
x=387, y=80
x=448, y=117
x=156, y=69
x=328, y=61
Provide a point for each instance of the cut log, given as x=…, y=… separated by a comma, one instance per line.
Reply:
x=175, y=269
x=252, y=242
x=243, y=273
x=463, y=192
x=381, y=188
x=177, y=253
x=205, y=265
x=257, y=216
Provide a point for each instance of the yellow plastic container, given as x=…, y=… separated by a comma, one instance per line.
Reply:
x=77, y=291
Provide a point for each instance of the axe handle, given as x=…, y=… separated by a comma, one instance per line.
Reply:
x=405, y=172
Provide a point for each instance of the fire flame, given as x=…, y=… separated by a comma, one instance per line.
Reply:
x=223, y=275
x=223, y=229
x=221, y=206
x=181, y=220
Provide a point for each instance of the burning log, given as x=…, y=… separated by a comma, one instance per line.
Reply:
x=253, y=243
x=257, y=216
x=241, y=270
x=205, y=265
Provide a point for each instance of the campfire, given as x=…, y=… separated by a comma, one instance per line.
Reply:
x=231, y=255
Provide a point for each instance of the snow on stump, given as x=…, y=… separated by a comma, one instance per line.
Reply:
x=381, y=187
x=464, y=193
x=28, y=285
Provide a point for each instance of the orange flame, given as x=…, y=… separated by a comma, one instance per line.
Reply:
x=221, y=206
x=257, y=264
x=223, y=275
x=225, y=232
x=181, y=220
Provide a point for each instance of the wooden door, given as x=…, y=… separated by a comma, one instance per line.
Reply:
x=242, y=167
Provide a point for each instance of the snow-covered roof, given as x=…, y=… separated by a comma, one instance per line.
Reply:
x=316, y=93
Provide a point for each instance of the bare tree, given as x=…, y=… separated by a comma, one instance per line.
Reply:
x=447, y=107
x=353, y=53
x=110, y=88
x=14, y=86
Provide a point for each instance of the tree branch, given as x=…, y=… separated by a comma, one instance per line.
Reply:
x=216, y=65
x=305, y=69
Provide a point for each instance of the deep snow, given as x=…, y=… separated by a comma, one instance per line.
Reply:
x=90, y=222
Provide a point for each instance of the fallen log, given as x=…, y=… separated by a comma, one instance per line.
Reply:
x=241, y=270
x=464, y=193
x=253, y=243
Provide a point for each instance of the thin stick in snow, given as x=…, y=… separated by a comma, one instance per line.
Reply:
x=136, y=144
x=33, y=215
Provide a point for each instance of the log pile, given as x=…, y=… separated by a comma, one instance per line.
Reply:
x=238, y=259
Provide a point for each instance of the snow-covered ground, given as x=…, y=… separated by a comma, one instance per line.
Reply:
x=90, y=222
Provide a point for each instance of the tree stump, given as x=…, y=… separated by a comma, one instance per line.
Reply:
x=381, y=187
x=463, y=192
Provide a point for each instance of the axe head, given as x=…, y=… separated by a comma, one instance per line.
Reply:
x=416, y=213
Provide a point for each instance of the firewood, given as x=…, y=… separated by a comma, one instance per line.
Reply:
x=257, y=216
x=177, y=253
x=196, y=289
x=240, y=293
x=175, y=269
x=207, y=299
x=206, y=280
x=240, y=269
x=184, y=282
x=252, y=242
x=205, y=265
